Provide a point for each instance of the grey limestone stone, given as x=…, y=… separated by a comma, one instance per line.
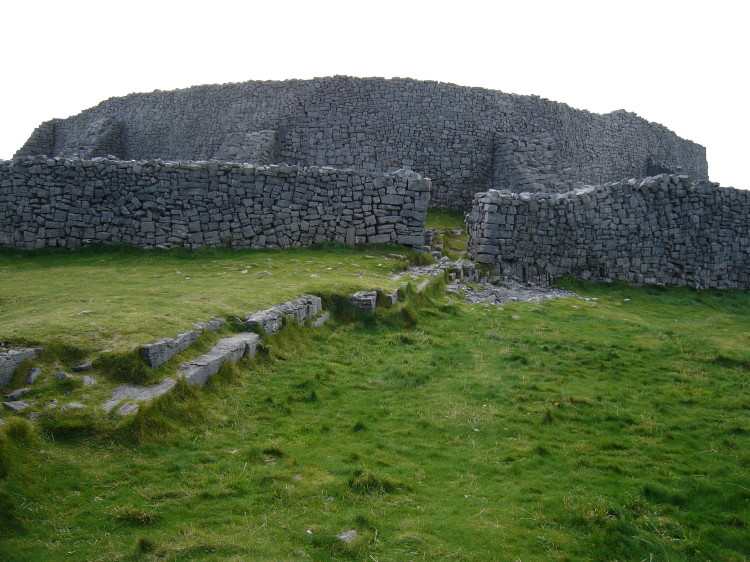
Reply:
x=160, y=352
x=16, y=405
x=321, y=320
x=199, y=370
x=667, y=230
x=34, y=374
x=365, y=301
x=140, y=393
x=12, y=358
x=71, y=406
x=212, y=325
x=18, y=393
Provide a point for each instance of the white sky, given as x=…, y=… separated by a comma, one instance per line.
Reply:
x=682, y=64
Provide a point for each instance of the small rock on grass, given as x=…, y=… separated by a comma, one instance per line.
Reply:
x=62, y=376
x=72, y=406
x=127, y=409
x=34, y=374
x=347, y=536
x=88, y=380
x=16, y=405
x=83, y=367
x=16, y=394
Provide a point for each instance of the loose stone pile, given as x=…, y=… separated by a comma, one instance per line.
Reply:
x=665, y=229
x=72, y=202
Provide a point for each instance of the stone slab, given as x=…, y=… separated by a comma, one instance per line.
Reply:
x=201, y=369
x=140, y=393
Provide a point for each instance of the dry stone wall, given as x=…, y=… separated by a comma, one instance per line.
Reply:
x=665, y=229
x=69, y=202
x=466, y=140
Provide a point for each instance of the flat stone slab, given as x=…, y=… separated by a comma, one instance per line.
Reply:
x=72, y=406
x=199, y=370
x=11, y=359
x=127, y=409
x=141, y=393
x=16, y=405
x=16, y=394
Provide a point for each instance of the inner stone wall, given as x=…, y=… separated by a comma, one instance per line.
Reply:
x=666, y=229
x=69, y=202
x=466, y=139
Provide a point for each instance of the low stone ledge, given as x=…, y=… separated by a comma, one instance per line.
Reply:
x=271, y=319
x=140, y=393
x=159, y=352
x=11, y=359
x=198, y=371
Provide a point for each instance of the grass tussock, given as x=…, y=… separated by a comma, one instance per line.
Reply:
x=183, y=406
x=366, y=484
x=126, y=367
x=134, y=516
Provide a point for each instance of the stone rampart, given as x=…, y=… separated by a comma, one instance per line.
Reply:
x=665, y=229
x=466, y=139
x=69, y=202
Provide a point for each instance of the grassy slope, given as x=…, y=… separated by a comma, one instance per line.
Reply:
x=130, y=296
x=583, y=430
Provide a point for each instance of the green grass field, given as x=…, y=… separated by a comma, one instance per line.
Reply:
x=116, y=297
x=607, y=429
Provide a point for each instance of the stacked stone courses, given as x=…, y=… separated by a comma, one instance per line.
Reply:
x=665, y=230
x=467, y=140
x=70, y=202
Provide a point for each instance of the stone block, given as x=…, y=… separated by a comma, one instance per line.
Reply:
x=201, y=369
x=365, y=301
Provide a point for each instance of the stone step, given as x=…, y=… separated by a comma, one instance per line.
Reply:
x=135, y=392
x=199, y=370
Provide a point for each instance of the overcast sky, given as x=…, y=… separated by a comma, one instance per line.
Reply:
x=682, y=64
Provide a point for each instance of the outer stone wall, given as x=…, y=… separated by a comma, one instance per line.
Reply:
x=68, y=202
x=466, y=139
x=664, y=229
